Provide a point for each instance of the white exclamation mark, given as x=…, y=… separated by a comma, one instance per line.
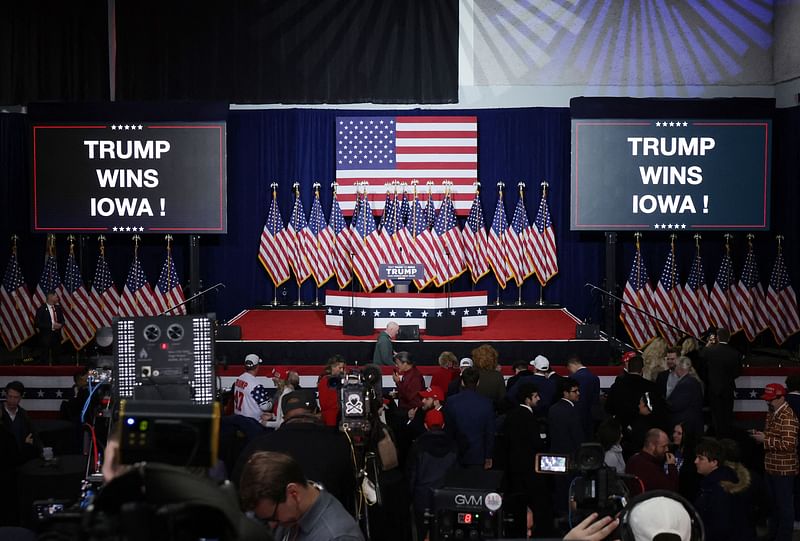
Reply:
x=705, y=205
x=163, y=201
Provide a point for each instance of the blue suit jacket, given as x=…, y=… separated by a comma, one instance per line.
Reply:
x=589, y=384
x=469, y=418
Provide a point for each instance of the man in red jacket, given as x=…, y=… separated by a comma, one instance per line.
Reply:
x=648, y=464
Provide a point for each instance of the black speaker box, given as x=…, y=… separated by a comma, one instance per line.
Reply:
x=408, y=332
x=443, y=326
x=585, y=331
x=357, y=326
x=228, y=332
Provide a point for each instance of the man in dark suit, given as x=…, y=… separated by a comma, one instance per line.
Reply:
x=686, y=399
x=470, y=420
x=589, y=385
x=667, y=379
x=49, y=320
x=566, y=435
x=525, y=435
x=625, y=393
x=724, y=365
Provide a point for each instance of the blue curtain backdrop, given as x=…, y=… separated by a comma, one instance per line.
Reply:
x=288, y=145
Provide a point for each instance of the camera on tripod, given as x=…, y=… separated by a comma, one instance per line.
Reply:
x=360, y=395
x=595, y=488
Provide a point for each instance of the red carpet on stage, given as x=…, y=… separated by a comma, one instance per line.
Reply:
x=309, y=325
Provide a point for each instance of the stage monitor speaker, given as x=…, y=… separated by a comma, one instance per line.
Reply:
x=408, y=332
x=357, y=326
x=443, y=326
x=228, y=332
x=584, y=331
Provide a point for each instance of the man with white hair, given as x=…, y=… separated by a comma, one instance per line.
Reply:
x=686, y=399
x=384, y=352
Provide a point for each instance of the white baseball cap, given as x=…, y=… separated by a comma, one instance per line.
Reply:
x=466, y=362
x=252, y=360
x=660, y=518
x=541, y=363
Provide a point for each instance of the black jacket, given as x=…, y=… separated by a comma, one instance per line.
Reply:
x=42, y=319
x=522, y=436
x=566, y=430
x=624, y=395
x=686, y=403
x=724, y=365
x=724, y=504
x=432, y=456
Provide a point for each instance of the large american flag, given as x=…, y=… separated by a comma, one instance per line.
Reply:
x=749, y=299
x=695, y=299
x=366, y=245
x=321, y=256
x=543, y=240
x=476, y=241
x=426, y=148
x=639, y=293
x=781, y=302
x=137, y=297
x=340, y=254
x=274, y=247
x=81, y=316
x=104, y=293
x=517, y=243
x=667, y=299
x=16, y=307
x=449, y=248
x=168, y=292
x=720, y=299
x=300, y=241
x=497, y=244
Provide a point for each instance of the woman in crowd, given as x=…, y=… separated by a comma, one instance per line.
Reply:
x=328, y=390
x=684, y=440
x=447, y=370
x=609, y=434
x=491, y=383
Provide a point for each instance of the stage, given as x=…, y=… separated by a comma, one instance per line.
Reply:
x=301, y=337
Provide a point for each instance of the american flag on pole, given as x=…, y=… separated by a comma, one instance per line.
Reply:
x=366, y=245
x=781, y=302
x=137, y=297
x=695, y=299
x=426, y=148
x=449, y=248
x=430, y=208
x=321, y=257
x=49, y=280
x=638, y=292
x=749, y=299
x=299, y=240
x=422, y=244
x=476, y=241
x=168, y=292
x=517, y=243
x=340, y=253
x=388, y=229
x=16, y=306
x=497, y=248
x=543, y=241
x=667, y=299
x=274, y=247
x=81, y=316
x=720, y=299
x=405, y=207
x=104, y=293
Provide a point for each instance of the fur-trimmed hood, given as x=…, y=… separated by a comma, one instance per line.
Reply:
x=742, y=482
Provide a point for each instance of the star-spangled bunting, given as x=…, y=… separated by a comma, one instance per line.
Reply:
x=781, y=302
x=300, y=241
x=638, y=292
x=749, y=299
x=340, y=254
x=694, y=299
x=104, y=293
x=16, y=306
x=274, y=246
x=404, y=148
x=321, y=257
x=497, y=253
x=475, y=241
x=168, y=292
x=449, y=248
x=667, y=299
x=543, y=241
x=81, y=316
x=720, y=298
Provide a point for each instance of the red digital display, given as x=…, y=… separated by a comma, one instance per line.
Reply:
x=465, y=518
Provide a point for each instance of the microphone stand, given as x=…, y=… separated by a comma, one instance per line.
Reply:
x=648, y=314
x=193, y=297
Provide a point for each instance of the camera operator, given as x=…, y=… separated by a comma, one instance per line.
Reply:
x=648, y=464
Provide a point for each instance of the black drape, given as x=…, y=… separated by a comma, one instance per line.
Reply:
x=53, y=50
x=288, y=51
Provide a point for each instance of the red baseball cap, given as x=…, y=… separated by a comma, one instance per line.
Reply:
x=628, y=355
x=432, y=392
x=773, y=391
x=434, y=419
x=276, y=373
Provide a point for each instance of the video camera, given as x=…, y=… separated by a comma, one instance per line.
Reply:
x=360, y=395
x=595, y=488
